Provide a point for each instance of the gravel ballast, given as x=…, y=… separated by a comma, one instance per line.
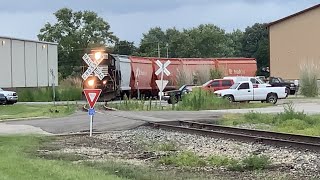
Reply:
x=130, y=145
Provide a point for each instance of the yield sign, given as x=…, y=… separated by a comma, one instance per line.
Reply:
x=165, y=82
x=163, y=67
x=92, y=96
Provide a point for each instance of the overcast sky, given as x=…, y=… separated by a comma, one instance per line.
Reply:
x=130, y=18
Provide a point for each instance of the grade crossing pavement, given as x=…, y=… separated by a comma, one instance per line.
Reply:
x=121, y=120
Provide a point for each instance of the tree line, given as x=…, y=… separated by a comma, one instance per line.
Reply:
x=79, y=31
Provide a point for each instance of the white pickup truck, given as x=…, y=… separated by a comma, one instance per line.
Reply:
x=244, y=91
x=11, y=96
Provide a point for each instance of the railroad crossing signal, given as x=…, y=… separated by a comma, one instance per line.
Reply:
x=162, y=69
x=93, y=67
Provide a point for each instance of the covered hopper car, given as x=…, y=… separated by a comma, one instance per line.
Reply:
x=131, y=75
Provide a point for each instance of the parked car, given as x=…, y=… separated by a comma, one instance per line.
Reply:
x=244, y=91
x=217, y=84
x=2, y=99
x=11, y=97
x=177, y=94
x=279, y=82
x=256, y=81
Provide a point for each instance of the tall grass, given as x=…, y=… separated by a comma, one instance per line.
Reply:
x=288, y=121
x=203, y=74
x=69, y=90
x=309, y=73
x=184, y=76
x=216, y=74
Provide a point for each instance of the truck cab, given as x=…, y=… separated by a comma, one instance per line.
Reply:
x=245, y=91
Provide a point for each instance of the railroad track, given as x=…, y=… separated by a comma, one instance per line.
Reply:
x=258, y=136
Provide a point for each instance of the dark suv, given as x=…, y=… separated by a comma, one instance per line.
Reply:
x=279, y=82
x=3, y=99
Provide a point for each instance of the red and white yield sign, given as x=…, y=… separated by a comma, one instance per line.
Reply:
x=93, y=67
x=92, y=96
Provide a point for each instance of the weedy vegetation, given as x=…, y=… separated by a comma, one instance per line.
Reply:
x=289, y=121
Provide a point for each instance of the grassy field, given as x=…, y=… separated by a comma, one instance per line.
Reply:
x=27, y=111
x=289, y=121
x=17, y=163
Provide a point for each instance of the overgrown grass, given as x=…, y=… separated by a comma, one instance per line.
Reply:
x=289, y=121
x=190, y=159
x=162, y=146
x=26, y=111
x=205, y=100
x=309, y=74
x=17, y=163
x=69, y=90
x=216, y=74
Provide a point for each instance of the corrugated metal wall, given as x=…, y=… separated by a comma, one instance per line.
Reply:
x=27, y=63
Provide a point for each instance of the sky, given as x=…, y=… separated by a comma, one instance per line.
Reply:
x=129, y=19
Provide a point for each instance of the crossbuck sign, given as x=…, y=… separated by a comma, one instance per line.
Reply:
x=163, y=70
x=93, y=67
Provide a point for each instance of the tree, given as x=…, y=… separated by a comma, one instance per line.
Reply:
x=76, y=32
x=125, y=48
x=255, y=43
x=235, y=42
x=150, y=40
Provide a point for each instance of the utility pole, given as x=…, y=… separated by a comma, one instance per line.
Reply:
x=167, y=45
x=158, y=50
x=53, y=86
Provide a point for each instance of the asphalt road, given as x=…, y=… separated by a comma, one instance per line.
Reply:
x=120, y=120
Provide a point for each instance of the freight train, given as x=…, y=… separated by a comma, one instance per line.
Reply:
x=133, y=76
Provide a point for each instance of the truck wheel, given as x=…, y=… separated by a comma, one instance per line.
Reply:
x=288, y=91
x=230, y=98
x=272, y=98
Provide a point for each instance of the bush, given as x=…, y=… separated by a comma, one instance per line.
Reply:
x=183, y=159
x=290, y=113
x=255, y=162
x=201, y=100
x=216, y=74
x=69, y=90
x=308, y=80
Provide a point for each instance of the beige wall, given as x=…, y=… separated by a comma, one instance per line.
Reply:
x=293, y=42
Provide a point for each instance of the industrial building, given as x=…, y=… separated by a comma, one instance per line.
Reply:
x=27, y=63
x=294, y=42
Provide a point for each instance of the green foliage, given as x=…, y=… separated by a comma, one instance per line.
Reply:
x=26, y=111
x=290, y=113
x=183, y=159
x=75, y=32
x=124, y=48
x=216, y=74
x=289, y=121
x=166, y=146
x=69, y=90
x=309, y=80
x=189, y=159
x=221, y=161
x=18, y=161
x=200, y=99
x=255, y=43
x=255, y=162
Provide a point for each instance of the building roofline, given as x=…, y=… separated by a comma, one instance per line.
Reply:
x=293, y=15
x=28, y=40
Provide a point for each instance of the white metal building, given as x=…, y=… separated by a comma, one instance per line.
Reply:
x=27, y=63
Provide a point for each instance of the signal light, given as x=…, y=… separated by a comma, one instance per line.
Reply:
x=91, y=82
x=98, y=55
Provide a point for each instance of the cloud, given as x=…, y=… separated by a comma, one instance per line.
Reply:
x=130, y=18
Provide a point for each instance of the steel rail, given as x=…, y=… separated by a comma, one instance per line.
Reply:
x=253, y=136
